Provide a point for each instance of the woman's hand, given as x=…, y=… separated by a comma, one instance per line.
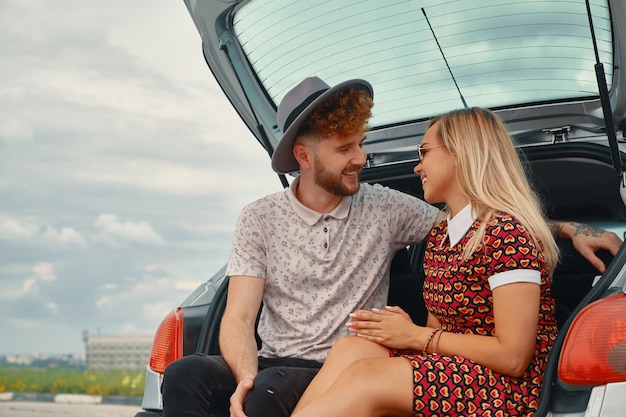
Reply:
x=391, y=327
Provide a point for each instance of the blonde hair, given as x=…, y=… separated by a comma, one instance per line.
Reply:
x=491, y=175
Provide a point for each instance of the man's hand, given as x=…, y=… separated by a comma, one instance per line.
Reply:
x=237, y=341
x=238, y=397
x=588, y=240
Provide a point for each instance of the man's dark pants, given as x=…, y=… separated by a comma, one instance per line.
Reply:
x=201, y=386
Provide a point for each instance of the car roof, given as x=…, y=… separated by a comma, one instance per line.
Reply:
x=532, y=61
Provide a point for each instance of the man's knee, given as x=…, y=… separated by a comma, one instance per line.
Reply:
x=277, y=390
x=196, y=384
x=187, y=370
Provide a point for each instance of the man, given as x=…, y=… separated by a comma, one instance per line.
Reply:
x=311, y=254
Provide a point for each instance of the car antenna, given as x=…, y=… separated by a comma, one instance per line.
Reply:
x=444, y=59
x=609, y=127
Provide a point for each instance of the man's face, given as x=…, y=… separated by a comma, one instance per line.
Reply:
x=338, y=163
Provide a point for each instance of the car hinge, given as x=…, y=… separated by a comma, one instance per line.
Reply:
x=559, y=134
x=224, y=41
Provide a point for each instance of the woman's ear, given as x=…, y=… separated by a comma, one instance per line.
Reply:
x=303, y=155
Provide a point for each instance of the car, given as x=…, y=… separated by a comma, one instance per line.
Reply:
x=553, y=70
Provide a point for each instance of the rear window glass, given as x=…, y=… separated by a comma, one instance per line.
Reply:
x=500, y=54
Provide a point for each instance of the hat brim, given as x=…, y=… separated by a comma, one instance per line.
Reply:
x=283, y=160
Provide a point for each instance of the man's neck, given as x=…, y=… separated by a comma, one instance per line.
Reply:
x=314, y=197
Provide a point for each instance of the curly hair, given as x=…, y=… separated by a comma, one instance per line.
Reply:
x=344, y=114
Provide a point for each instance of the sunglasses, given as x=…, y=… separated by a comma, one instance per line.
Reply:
x=421, y=152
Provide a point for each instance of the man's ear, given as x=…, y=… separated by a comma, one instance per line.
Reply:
x=303, y=155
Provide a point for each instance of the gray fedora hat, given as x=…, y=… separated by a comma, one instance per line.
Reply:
x=296, y=107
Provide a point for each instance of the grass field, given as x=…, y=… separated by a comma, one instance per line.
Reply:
x=71, y=381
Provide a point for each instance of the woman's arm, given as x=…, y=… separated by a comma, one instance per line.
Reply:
x=516, y=312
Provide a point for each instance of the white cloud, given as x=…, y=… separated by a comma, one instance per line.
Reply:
x=103, y=302
x=115, y=232
x=11, y=229
x=128, y=328
x=156, y=311
x=34, y=232
x=29, y=285
x=25, y=324
x=15, y=130
x=122, y=168
x=187, y=285
x=44, y=271
x=65, y=236
x=151, y=285
x=163, y=177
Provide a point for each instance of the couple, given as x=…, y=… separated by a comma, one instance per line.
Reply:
x=317, y=256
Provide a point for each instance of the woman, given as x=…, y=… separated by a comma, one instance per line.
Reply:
x=491, y=320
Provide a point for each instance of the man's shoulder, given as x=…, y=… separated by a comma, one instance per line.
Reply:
x=367, y=189
x=382, y=193
x=269, y=200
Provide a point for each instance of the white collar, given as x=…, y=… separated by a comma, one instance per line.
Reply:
x=310, y=216
x=460, y=224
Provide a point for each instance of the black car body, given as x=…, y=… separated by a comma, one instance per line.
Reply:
x=554, y=71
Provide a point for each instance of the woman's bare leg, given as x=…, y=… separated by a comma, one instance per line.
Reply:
x=346, y=351
x=372, y=387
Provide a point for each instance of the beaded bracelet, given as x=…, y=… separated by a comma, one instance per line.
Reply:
x=428, y=341
x=436, y=341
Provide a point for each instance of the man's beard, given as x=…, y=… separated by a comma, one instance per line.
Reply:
x=332, y=183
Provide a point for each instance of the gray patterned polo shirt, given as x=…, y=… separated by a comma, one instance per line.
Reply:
x=320, y=267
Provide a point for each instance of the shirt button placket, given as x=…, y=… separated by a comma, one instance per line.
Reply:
x=326, y=219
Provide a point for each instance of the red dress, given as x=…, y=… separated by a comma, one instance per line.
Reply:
x=457, y=293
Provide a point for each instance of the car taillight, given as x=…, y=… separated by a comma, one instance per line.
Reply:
x=594, y=350
x=168, y=341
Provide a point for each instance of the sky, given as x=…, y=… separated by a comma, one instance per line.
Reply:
x=123, y=168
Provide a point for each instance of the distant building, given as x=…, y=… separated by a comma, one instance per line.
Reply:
x=65, y=360
x=105, y=353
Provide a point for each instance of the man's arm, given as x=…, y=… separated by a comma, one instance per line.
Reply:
x=588, y=240
x=237, y=335
x=441, y=216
